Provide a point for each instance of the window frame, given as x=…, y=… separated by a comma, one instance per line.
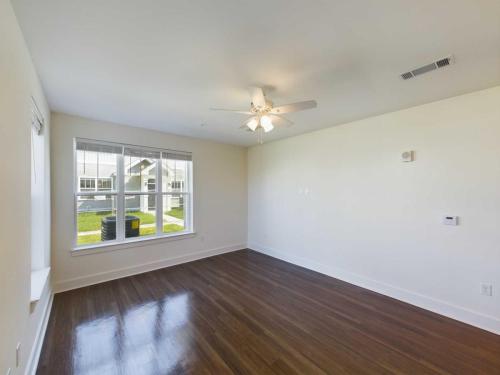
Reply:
x=118, y=190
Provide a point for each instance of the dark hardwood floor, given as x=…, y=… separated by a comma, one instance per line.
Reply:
x=246, y=313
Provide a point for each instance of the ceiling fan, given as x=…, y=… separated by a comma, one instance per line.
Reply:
x=264, y=115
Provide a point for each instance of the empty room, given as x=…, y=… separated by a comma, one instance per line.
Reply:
x=249, y=187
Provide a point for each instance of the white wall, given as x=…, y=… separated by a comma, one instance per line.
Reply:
x=18, y=81
x=220, y=203
x=341, y=201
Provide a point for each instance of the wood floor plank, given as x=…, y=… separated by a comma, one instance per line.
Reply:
x=247, y=313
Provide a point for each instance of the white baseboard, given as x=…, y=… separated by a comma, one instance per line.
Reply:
x=96, y=278
x=36, y=350
x=473, y=318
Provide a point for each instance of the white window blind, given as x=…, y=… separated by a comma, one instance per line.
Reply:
x=98, y=147
x=177, y=155
x=142, y=153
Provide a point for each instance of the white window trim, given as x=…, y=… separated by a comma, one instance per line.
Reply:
x=119, y=194
x=132, y=242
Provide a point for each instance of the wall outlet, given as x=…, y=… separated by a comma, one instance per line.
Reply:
x=18, y=354
x=487, y=290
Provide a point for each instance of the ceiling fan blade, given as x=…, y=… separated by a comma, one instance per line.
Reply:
x=294, y=107
x=232, y=110
x=281, y=121
x=246, y=128
x=257, y=95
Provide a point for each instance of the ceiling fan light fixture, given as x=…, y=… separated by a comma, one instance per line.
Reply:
x=253, y=123
x=263, y=112
x=266, y=123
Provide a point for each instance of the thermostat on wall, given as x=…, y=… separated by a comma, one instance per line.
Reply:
x=450, y=220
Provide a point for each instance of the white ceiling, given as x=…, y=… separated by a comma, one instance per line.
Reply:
x=163, y=64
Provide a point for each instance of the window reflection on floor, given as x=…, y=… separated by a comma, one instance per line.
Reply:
x=95, y=350
x=133, y=345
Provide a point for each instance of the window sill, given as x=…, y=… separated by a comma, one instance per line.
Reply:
x=38, y=280
x=136, y=242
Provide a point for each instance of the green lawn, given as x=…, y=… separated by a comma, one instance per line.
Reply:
x=89, y=239
x=176, y=212
x=144, y=216
x=96, y=238
x=167, y=228
x=89, y=221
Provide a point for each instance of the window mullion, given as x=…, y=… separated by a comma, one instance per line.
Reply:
x=188, y=220
x=159, y=198
x=120, y=199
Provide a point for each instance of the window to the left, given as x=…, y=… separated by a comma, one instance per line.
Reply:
x=96, y=195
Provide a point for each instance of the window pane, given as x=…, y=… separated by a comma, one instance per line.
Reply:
x=96, y=219
x=140, y=218
x=174, y=175
x=86, y=184
x=140, y=174
x=174, y=212
x=93, y=166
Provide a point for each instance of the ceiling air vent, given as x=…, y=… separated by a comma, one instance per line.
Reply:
x=441, y=63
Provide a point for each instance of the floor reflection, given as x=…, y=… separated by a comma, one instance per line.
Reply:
x=147, y=339
x=94, y=352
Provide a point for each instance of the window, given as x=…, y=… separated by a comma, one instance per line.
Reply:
x=177, y=185
x=87, y=184
x=104, y=184
x=129, y=192
x=94, y=184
